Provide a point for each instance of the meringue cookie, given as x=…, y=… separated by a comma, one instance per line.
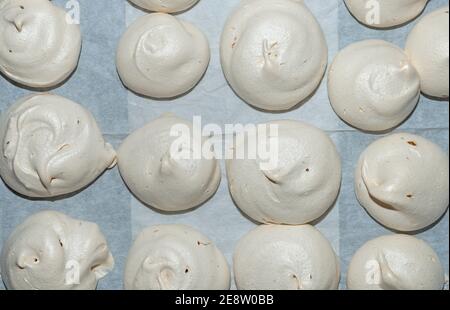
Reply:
x=51, y=146
x=164, y=174
x=51, y=251
x=175, y=257
x=160, y=56
x=427, y=46
x=385, y=13
x=285, y=258
x=299, y=187
x=273, y=53
x=373, y=86
x=39, y=48
x=166, y=6
x=396, y=262
x=403, y=182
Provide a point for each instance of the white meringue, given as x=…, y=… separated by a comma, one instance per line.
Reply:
x=428, y=48
x=175, y=257
x=373, y=86
x=299, y=188
x=51, y=146
x=275, y=257
x=166, y=6
x=165, y=178
x=385, y=13
x=51, y=251
x=38, y=47
x=402, y=181
x=273, y=53
x=161, y=56
x=396, y=262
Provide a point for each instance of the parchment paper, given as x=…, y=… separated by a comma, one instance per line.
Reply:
x=121, y=217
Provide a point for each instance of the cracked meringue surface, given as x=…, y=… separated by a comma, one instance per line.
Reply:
x=39, y=48
x=296, y=185
x=159, y=164
x=402, y=181
x=428, y=48
x=175, y=257
x=373, y=86
x=277, y=257
x=385, y=13
x=160, y=56
x=396, y=262
x=166, y=6
x=51, y=251
x=273, y=53
x=51, y=146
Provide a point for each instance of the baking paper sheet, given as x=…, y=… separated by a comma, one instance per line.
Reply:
x=121, y=217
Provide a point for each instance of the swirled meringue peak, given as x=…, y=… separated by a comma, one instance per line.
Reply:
x=166, y=6
x=402, y=181
x=161, y=56
x=273, y=53
x=300, y=184
x=278, y=257
x=428, y=48
x=160, y=166
x=39, y=46
x=373, y=86
x=51, y=146
x=385, y=13
x=396, y=262
x=51, y=251
x=175, y=257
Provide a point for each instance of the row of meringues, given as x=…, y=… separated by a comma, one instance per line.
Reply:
x=284, y=172
x=382, y=14
x=52, y=146
x=274, y=56
x=51, y=251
